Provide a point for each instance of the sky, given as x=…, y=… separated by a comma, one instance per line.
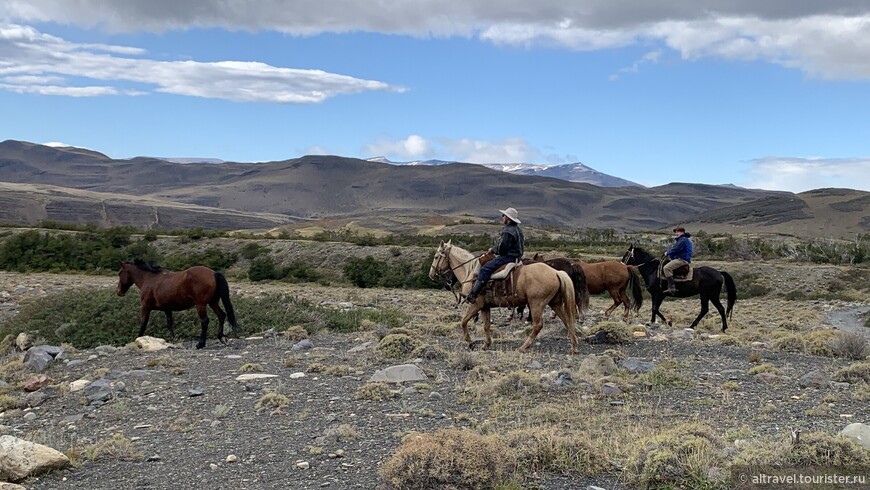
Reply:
x=771, y=94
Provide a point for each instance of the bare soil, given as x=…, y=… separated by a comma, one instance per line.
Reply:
x=193, y=424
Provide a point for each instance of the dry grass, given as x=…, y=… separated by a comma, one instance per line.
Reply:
x=272, y=400
x=117, y=447
x=375, y=392
x=330, y=369
x=398, y=345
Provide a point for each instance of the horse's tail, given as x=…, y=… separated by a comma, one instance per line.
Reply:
x=222, y=292
x=732, y=293
x=635, y=281
x=581, y=291
x=567, y=296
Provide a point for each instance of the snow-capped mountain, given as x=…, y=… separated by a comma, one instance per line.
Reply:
x=573, y=172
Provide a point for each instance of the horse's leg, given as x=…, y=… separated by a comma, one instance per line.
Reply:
x=623, y=298
x=170, y=324
x=470, y=312
x=657, y=300
x=203, y=320
x=536, y=311
x=721, y=310
x=486, y=327
x=559, y=310
x=221, y=316
x=705, y=307
x=614, y=295
x=144, y=314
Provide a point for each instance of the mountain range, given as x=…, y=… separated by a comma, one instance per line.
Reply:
x=77, y=185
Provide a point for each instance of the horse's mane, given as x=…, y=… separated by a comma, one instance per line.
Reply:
x=642, y=254
x=147, y=266
x=464, y=255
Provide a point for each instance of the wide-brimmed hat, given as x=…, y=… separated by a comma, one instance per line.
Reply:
x=511, y=213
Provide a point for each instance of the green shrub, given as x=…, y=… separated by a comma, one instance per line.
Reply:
x=262, y=269
x=252, y=250
x=398, y=345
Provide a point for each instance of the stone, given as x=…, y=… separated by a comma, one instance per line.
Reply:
x=78, y=385
x=815, y=379
x=399, y=374
x=23, y=341
x=302, y=465
x=34, y=383
x=535, y=365
x=37, y=359
x=297, y=375
x=253, y=376
x=232, y=458
x=151, y=344
x=610, y=389
x=20, y=459
x=635, y=365
x=34, y=399
x=597, y=366
x=362, y=347
x=303, y=344
x=10, y=486
x=98, y=391
x=106, y=350
x=858, y=432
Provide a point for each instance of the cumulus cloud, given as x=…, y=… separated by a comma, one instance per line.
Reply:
x=35, y=62
x=508, y=150
x=803, y=174
x=829, y=39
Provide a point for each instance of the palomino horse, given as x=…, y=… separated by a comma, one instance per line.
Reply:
x=614, y=277
x=168, y=291
x=706, y=282
x=537, y=285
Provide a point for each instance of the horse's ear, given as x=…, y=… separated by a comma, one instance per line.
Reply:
x=449, y=241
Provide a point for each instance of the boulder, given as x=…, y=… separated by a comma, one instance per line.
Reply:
x=399, y=374
x=815, y=379
x=151, y=344
x=860, y=433
x=20, y=459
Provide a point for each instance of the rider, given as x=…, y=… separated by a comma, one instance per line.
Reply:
x=509, y=249
x=680, y=255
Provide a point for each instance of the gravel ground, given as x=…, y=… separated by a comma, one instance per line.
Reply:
x=194, y=425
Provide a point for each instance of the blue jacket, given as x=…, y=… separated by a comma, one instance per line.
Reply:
x=511, y=242
x=682, y=248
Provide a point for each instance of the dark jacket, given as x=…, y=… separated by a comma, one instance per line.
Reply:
x=511, y=242
x=682, y=248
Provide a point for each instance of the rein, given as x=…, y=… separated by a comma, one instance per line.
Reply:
x=453, y=269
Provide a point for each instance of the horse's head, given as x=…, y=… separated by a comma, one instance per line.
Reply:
x=636, y=256
x=125, y=278
x=441, y=260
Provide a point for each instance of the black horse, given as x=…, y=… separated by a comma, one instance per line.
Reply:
x=706, y=281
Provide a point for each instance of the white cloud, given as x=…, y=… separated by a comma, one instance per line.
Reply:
x=413, y=147
x=651, y=57
x=508, y=150
x=803, y=174
x=34, y=62
x=829, y=39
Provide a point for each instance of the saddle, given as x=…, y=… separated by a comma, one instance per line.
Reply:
x=681, y=274
x=501, y=288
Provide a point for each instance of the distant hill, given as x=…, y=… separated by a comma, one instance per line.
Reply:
x=379, y=195
x=572, y=172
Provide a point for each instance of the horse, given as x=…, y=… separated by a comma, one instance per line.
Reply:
x=706, y=282
x=617, y=279
x=578, y=279
x=538, y=285
x=167, y=291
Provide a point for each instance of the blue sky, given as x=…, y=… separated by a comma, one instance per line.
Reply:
x=775, y=96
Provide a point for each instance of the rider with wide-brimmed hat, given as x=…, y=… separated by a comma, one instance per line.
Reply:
x=680, y=255
x=509, y=249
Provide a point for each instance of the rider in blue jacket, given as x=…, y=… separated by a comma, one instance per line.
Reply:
x=680, y=255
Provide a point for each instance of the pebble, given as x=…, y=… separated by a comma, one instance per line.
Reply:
x=213, y=466
x=297, y=375
x=29, y=416
x=302, y=465
x=232, y=458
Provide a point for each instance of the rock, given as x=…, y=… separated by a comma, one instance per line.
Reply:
x=23, y=341
x=20, y=459
x=194, y=392
x=610, y=389
x=635, y=365
x=37, y=359
x=435, y=395
x=34, y=383
x=535, y=365
x=399, y=374
x=232, y=458
x=297, y=375
x=302, y=465
x=98, y=391
x=213, y=466
x=252, y=376
x=106, y=350
x=563, y=379
x=638, y=334
x=35, y=399
x=151, y=344
x=597, y=366
x=769, y=377
x=758, y=345
x=74, y=363
x=860, y=433
x=360, y=348
x=30, y=416
x=815, y=379
x=78, y=385
x=153, y=458
x=303, y=344
x=686, y=333
x=410, y=390
x=10, y=486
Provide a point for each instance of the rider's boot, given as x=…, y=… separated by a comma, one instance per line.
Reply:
x=475, y=290
x=672, y=288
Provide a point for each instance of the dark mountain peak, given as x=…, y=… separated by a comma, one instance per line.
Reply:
x=45, y=153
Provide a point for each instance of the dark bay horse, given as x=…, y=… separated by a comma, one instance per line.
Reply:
x=706, y=282
x=614, y=277
x=168, y=291
x=538, y=285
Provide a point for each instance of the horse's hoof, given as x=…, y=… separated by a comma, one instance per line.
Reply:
x=200, y=345
x=223, y=340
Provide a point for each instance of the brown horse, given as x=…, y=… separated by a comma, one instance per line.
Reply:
x=168, y=291
x=537, y=285
x=617, y=279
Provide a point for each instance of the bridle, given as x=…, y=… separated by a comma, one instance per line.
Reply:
x=445, y=254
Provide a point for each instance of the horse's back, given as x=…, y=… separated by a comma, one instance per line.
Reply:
x=182, y=289
x=601, y=275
